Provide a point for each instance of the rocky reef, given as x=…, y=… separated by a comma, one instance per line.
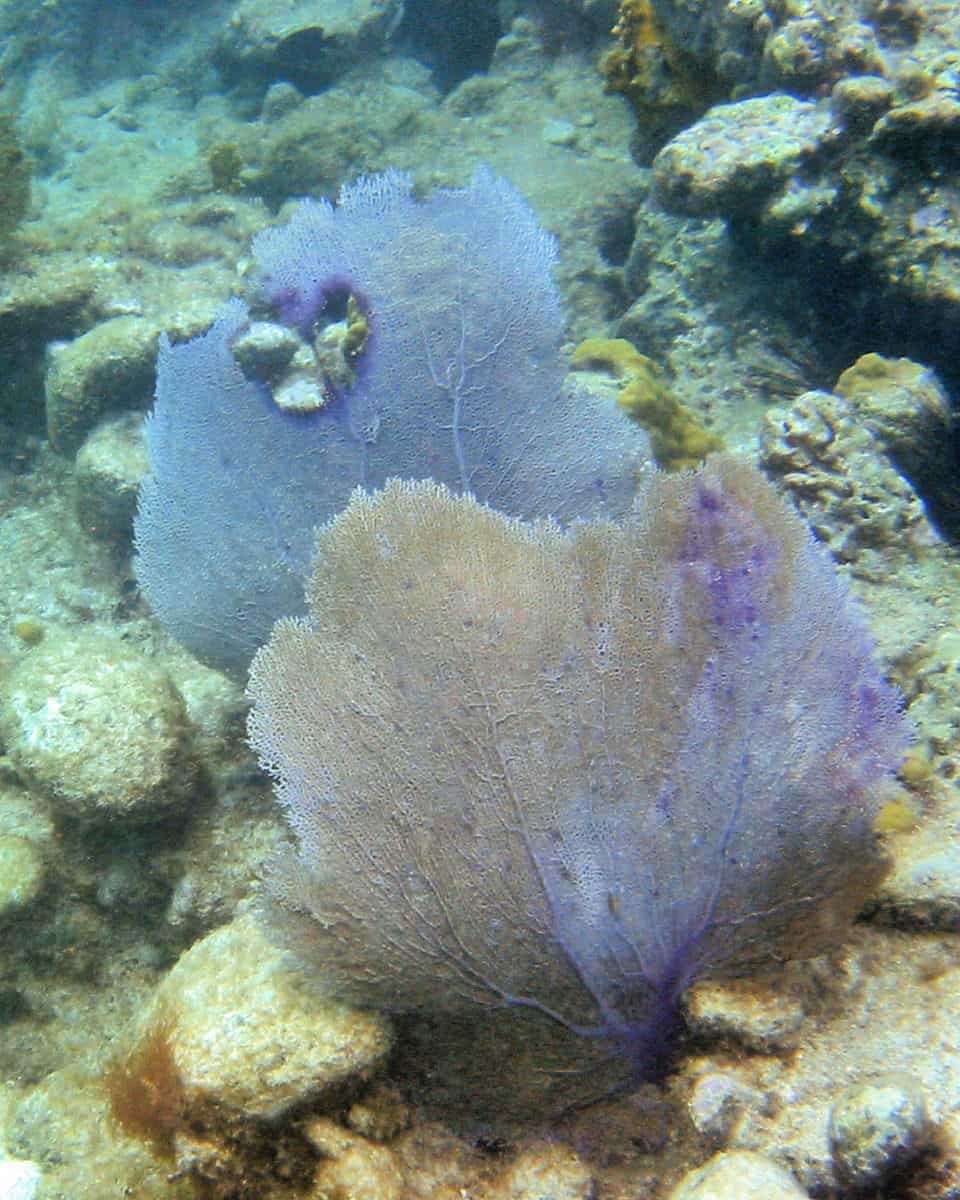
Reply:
x=780, y=241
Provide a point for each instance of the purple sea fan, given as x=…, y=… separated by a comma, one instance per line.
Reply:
x=460, y=379
x=572, y=771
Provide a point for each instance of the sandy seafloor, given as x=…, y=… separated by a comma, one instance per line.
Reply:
x=808, y=220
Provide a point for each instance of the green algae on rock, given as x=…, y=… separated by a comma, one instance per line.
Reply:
x=14, y=181
x=108, y=367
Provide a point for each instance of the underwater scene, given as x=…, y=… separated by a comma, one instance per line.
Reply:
x=480, y=599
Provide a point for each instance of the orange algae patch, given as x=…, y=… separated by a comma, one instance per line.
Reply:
x=146, y=1092
x=648, y=67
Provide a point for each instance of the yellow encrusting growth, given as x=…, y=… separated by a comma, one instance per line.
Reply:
x=896, y=816
x=29, y=630
x=917, y=767
x=677, y=438
x=616, y=355
x=358, y=330
x=873, y=373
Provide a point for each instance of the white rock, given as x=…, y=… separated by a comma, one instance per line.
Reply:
x=19, y=1179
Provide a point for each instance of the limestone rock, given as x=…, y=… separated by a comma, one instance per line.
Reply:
x=845, y=484
x=739, y=155
x=353, y=1166
x=923, y=889
x=98, y=729
x=64, y=1124
x=250, y=1034
x=109, y=367
x=717, y=1102
x=26, y=834
x=21, y=874
x=547, y=1171
x=905, y=405
x=303, y=42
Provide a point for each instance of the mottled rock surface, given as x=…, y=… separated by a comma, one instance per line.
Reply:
x=26, y=847
x=21, y=873
x=99, y=729
x=64, y=1124
x=250, y=1035
x=738, y=1175
x=878, y=194
x=109, y=367
x=553, y=1171
x=304, y=41
x=869, y=465
x=765, y=1018
x=110, y=466
x=877, y=1126
x=739, y=156
x=717, y=1102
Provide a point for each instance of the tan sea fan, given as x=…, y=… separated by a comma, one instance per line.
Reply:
x=572, y=771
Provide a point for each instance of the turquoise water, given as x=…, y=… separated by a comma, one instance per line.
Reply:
x=731, y=225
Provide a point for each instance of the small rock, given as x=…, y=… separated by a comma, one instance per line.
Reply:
x=738, y=1175
x=913, y=124
x=265, y=349
x=280, y=98
x=845, y=484
x=98, y=729
x=26, y=846
x=904, y=404
x=739, y=155
x=923, y=889
x=22, y=817
x=250, y=1034
x=301, y=41
x=859, y=100
x=300, y=394
x=547, y=1172
x=559, y=133
x=353, y=1166
x=717, y=1102
x=797, y=54
x=56, y=293
x=875, y=1127
x=380, y=1115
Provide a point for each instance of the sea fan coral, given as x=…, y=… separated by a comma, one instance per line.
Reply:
x=459, y=378
x=572, y=771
